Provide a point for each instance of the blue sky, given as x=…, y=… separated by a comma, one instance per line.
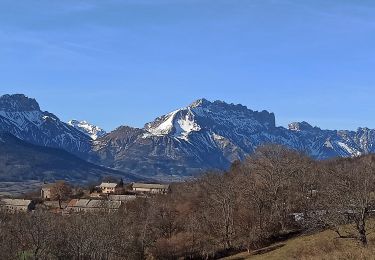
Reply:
x=124, y=62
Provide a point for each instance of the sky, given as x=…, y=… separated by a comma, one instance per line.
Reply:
x=125, y=62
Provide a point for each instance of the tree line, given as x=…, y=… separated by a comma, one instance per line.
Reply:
x=273, y=193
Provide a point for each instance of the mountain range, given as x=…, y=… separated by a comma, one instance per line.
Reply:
x=204, y=135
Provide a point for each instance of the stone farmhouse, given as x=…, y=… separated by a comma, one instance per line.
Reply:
x=17, y=205
x=110, y=188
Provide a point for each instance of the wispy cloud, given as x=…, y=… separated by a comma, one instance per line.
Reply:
x=36, y=43
x=358, y=12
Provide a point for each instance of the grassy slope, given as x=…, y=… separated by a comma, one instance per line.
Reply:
x=323, y=245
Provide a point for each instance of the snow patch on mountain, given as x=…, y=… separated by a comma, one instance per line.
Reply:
x=185, y=125
x=349, y=150
x=163, y=125
x=93, y=131
x=328, y=144
x=179, y=124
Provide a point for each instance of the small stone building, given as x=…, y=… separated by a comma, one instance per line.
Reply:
x=45, y=192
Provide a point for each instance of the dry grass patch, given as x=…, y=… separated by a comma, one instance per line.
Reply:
x=323, y=246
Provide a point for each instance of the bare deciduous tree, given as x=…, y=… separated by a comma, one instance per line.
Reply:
x=61, y=191
x=348, y=195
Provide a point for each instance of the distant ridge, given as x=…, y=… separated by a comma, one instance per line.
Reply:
x=21, y=161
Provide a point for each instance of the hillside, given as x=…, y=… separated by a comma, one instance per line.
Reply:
x=320, y=246
x=21, y=161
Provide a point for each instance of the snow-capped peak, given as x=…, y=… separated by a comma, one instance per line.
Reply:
x=301, y=126
x=89, y=129
x=203, y=115
x=21, y=116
